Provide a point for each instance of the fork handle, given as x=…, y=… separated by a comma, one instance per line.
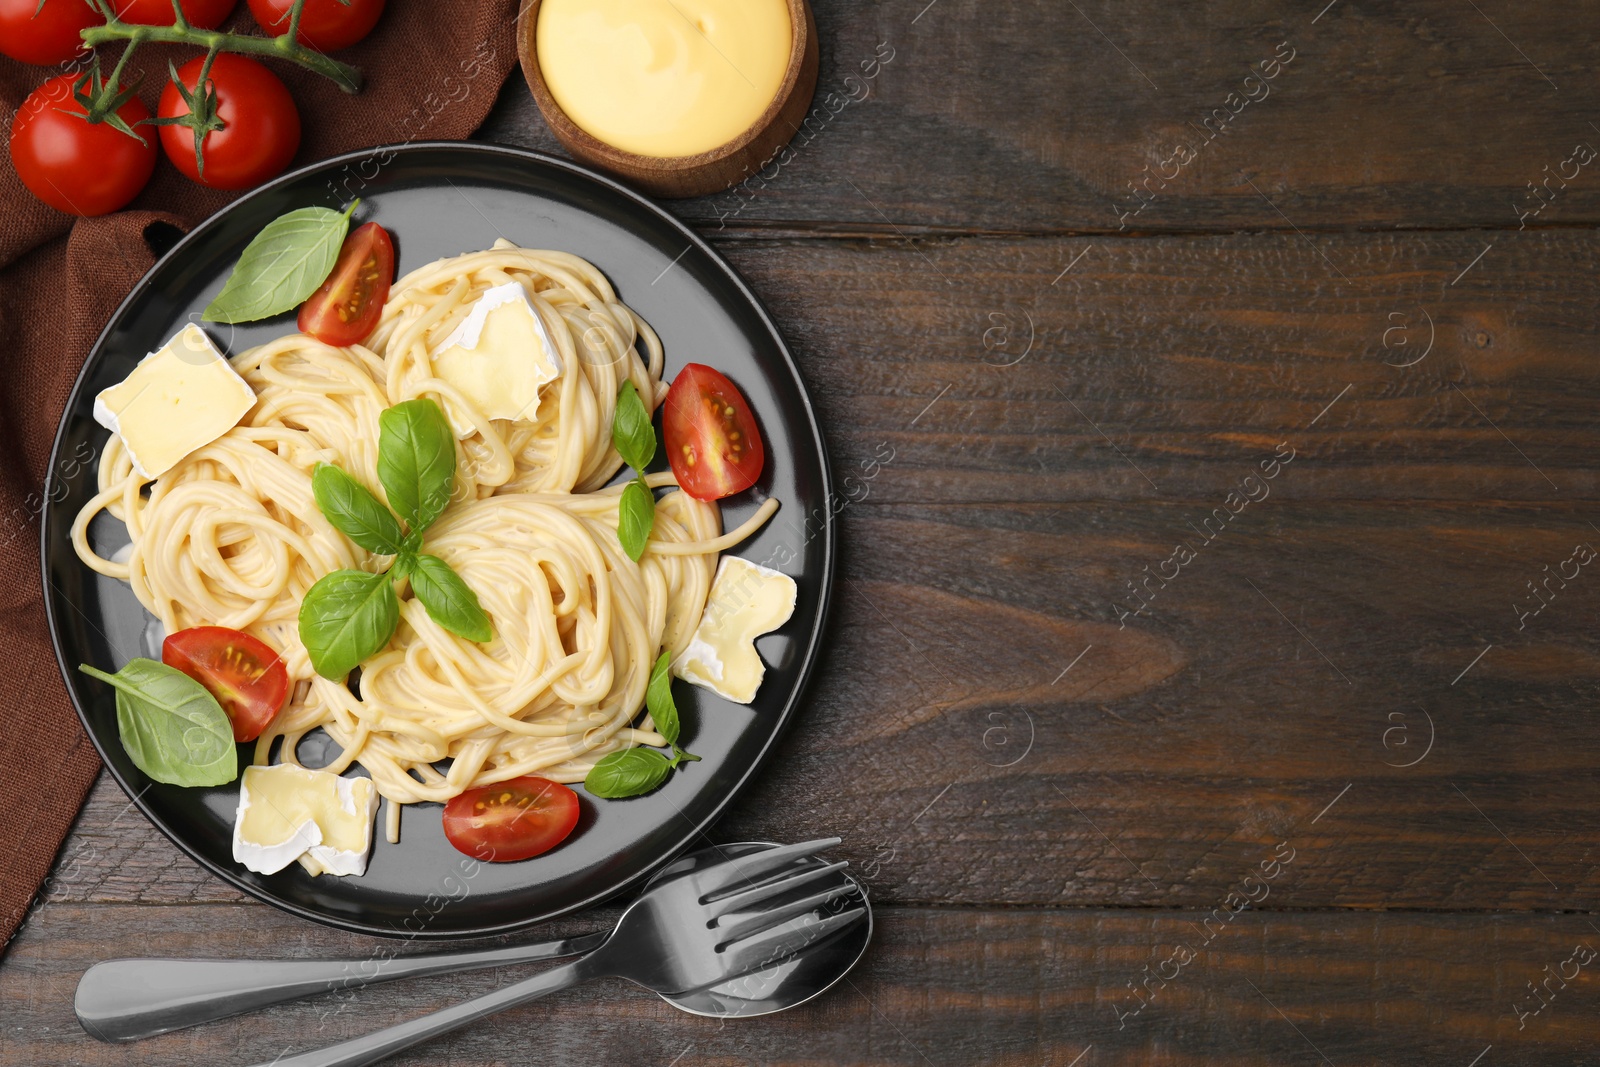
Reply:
x=124, y=1000
x=370, y=1048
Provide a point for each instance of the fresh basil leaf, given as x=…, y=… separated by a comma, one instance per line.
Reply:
x=283, y=265
x=630, y=773
x=352, y=508
x=404, y=564
x=658, y=698
x=347, y=617
x=636, y=514
x=172, y=727
x=631, y=430
x=417, y=461
x=450, y=601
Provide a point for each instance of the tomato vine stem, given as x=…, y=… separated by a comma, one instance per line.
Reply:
x=286, y=47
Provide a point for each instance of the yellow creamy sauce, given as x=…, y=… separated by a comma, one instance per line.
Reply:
x=664, y=77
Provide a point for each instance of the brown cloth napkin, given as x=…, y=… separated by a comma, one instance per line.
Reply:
x=433, y=70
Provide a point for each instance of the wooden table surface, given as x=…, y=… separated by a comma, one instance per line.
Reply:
x=1215, y=672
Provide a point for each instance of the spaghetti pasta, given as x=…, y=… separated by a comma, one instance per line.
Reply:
x=232, y=536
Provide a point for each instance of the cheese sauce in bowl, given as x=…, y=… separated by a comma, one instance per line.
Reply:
x=677, y=97
x=664, y=78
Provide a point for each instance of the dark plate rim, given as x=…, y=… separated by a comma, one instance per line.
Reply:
x=813, y=649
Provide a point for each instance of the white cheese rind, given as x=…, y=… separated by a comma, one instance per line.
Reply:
x=308, y=814
x=359, y=799
x=180, y=398
x=746, y=601
x=500, y=374
x=268, y=857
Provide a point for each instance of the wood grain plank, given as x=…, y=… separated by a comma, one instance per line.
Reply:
x=1041, y=116
x=940, y=986
x=115, y=855
x=1167, y=369
x=1088, y=764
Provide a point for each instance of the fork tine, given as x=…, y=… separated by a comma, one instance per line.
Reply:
x=766, y=920
x=729, y=873
x=762, y=950
x=746, y=899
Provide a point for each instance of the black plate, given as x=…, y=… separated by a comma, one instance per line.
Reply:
x=442, y=199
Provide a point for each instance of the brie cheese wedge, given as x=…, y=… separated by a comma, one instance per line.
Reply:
x=746, y=601
x=500, y=356
x=180, y=398
x=289, y=813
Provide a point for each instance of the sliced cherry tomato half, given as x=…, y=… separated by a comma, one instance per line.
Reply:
x=511, y=821
x=45, y=33
x=326, y=25
x=713, y=442
x=248, y=679
x=347, y=306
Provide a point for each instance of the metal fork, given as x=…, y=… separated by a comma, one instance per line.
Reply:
x=688, y=933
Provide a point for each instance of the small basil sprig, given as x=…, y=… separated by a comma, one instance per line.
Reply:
x=631, y=429
x=636, y=771
x=630, y=773
x=658, y=698
x=346, y=618
x=417, y=461
x=448, y=599
x=635, y=439
x=349, y=615
x=355, y=511
x=172, y=727
x=282, y=265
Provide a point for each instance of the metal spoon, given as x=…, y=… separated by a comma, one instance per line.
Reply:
x=126, y=1000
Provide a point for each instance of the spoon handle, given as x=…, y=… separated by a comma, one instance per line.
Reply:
x=124, y=1000
x=381, y=1044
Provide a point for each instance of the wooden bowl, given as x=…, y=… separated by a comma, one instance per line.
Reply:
x=697, y=175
